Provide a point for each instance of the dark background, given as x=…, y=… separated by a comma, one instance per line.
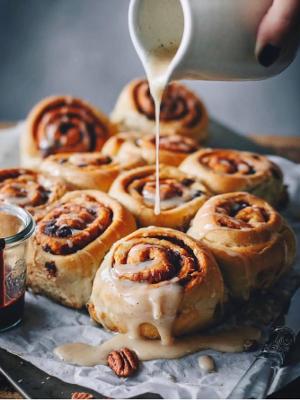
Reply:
x=82, y=47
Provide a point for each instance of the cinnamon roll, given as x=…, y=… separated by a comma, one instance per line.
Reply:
x=70, y=243
x=252, y=243
x=182, y=112
x=88, y=170
x=30, y=190
x=173, y=149
x=226, y=171
x=63, y=124
x=157, y=283
x=181, y=196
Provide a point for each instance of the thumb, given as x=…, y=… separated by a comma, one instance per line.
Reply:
x=277, y=31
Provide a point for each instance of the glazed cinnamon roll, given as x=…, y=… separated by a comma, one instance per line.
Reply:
x=252, y=243
x=181, y=196
x=182, y=112
x=173, y=149
x=226, y=171
x=30, y=190
x=63, y=124
x=70, y=243
x=157, y=283
x=88, y=170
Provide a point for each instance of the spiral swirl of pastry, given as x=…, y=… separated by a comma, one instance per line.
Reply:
x=181, y=196
x=72, y=225
x=29, y=189
x=88, y=170
x=70, y=243
x=173, y=149
x=252, y=243
x=157, y=282
x=63, y=124
x=226, y=171
x=178, y=103
x=182, y=112
x=175, y=144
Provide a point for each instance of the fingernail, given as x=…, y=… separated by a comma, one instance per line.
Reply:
x=268, y=55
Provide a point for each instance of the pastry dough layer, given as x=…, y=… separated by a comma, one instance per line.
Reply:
x=70, y=243
x=252, y=243
x=157, y=282
x=182, y=111
x=181, y=196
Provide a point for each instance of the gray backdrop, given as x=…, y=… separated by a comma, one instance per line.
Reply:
x=82, y=47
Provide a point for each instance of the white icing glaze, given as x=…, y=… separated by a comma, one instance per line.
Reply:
x=157, y=101
x=158, y=61
x=133, y=268
x=137, y=303
x=172, y=202
x=166, y=204
x=87, y=355
x=132, y=304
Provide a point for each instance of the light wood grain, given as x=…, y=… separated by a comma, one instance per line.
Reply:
x=285, y=146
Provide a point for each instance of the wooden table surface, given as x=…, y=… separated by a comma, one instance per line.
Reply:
x=287, y=146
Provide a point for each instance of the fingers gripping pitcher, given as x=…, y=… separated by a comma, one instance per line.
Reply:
x=198, y=39
x=202, y=39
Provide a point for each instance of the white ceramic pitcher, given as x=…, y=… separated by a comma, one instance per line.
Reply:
x=215, y=38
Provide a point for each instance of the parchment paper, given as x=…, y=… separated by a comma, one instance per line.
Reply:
x=47, y=325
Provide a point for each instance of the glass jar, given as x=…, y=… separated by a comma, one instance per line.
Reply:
x=16, y=226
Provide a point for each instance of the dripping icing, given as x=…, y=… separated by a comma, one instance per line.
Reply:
x=228, y=341
x=158, y=62
x=137, y=303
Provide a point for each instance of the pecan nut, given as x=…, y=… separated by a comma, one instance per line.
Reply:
x=82, y=395
x=250, y=345
x=123, y=362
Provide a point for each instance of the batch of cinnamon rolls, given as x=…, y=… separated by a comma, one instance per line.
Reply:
x=89, y=181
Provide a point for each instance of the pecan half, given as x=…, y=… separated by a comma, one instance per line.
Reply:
x=123, y=362
x=82, y=395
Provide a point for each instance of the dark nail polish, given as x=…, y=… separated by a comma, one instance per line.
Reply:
x=268, y=55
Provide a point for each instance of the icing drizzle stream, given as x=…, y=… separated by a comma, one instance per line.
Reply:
x=158, y=62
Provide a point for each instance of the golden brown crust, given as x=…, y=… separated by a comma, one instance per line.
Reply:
x=123, y=145
x=29, y=189
x=173, y=149
x=176, y=259
x=63, y=124
x=181, y=196
x=88, y=170
x=182, y=112
x=70, y=243
x=226, y=171
x=252, y=243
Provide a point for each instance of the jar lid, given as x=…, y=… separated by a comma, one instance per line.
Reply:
x=28, y=224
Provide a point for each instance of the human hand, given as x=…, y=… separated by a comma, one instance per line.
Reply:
x=278, y=31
